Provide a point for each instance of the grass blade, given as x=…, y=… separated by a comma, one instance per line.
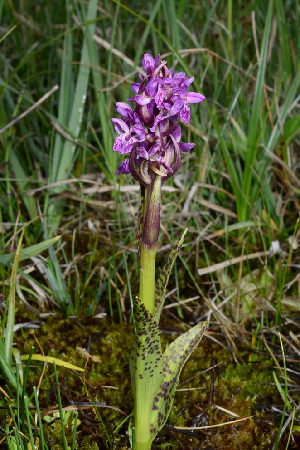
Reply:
x=252, y=135
x=61, y=414
x=29, y=252
x=39, y=418
x=8, y=343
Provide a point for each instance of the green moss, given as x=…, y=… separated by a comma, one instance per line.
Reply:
x=237, y=388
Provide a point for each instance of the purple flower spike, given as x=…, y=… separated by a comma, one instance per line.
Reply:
x=151, y=133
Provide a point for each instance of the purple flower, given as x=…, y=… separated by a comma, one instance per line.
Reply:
x=149, y=64
x=130, y=131
x=151, y=133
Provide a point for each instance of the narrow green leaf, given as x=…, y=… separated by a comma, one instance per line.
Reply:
x=41, y=431
x=143, y=40
x=252, y=145
x=64, y=102
x=276, y=132
x=291, y=128
x=7, y=34
x=26, y=405
x=8, y=373
x=283, y=37
x=29, y=252
x=61, y=413
x=74, y=430
x=22, y=177
x=105, y=141
x=8, y=343
x=174, y=358
x=97, y=412
x=64, y=156
x=281, y=391
x=75, y=122
x=52, y=360
x=162, y=281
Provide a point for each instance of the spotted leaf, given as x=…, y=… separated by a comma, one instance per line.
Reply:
x=146, y=355
x=174, y=358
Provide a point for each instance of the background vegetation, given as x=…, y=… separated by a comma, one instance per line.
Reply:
x=63, y=67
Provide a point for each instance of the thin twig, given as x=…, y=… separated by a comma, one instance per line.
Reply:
x=229, y=262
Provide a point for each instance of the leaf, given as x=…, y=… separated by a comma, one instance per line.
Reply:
x=9, y=336
x=22, y=176
x=268, y=220
x=281, y=391
x=8, y=373
x=50, y=359
x=146, y=355
x=65, y=158
x=161, y=283
x=7, y=34
x=291, y=128
x=29, y=252
x=174, y=359
x=252, y=147
x=71, y=109
x=276, y=132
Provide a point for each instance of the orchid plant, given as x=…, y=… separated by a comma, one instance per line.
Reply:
x=150, y=137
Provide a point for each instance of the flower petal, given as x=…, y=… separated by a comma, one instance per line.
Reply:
x=154, y=149
x=185, y=114
x=120, y=126
x=120, y=144
x=161, y=161
x=177, y=133
x=193, y=97
x=124, y=167
x=156, y=64
x=148, y=63
x=125, y=110
x=185, y=147
x=142, y=100
x=135, y=87
x=151, y=88
x=142, y=154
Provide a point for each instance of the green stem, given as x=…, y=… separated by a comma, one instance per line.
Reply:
x=142, y=436
x=143, y=396
x=144, y=388
x=147, y=277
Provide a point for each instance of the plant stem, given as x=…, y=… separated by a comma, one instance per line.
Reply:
x=151, y=225
x=147, y=277
x=143, y=395
x=142, y=437
x=144, y=386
